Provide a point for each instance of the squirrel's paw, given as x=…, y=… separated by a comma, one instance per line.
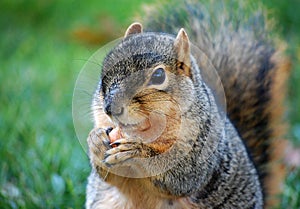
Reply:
x=125, y=149
x=98, y=143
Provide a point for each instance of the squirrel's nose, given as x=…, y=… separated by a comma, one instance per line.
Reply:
x=113, y=109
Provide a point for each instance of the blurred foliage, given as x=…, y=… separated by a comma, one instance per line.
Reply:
x=288, y=23
x=43, y=46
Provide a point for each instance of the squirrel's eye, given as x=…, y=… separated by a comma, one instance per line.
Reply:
x=158, y=76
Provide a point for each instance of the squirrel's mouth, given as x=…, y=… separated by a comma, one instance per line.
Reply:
x=148, y=129
x=139, y=126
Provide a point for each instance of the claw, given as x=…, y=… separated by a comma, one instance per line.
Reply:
x=117, y=158
x=120, y=148
x=123, y=141
x=114, y=144
x=106, y=143
x=108, y=130
x=101, y=137
x=98, y=143
x=123, y=149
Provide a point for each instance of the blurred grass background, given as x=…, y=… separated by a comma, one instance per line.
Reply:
x=44, y=44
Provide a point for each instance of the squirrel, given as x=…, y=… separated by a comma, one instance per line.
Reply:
x=176, y=148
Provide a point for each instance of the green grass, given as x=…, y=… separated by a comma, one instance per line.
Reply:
x=42, y=164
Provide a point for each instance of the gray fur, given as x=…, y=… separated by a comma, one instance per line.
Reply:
x=216, y=155
x=212, y=168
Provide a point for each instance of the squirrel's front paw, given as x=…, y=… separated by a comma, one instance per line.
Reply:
x=98, y=143
x=126, y=149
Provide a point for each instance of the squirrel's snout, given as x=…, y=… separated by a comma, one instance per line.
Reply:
x=113, y=103
x=113, y=110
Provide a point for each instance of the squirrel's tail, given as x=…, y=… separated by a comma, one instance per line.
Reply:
x=252, y=69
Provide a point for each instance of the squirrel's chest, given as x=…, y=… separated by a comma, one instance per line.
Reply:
x=140, y=199
x=129, y=193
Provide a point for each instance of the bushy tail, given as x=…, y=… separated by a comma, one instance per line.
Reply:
x=252, y=69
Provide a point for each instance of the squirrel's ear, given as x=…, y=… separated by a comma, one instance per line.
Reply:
x=133, y=29
x=182, y=47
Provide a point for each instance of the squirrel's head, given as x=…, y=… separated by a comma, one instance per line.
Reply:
x=146, y=83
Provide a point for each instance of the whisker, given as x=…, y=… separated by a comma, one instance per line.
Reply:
x=146, y=94
x=90, y=61
x=151, y=110
x=85, y=92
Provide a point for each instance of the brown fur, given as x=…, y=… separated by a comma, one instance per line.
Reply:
x=151, y=100
x=277, y=169
x=266, y=146
x=253, y=74
x=239, y=58
x=131, y=195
